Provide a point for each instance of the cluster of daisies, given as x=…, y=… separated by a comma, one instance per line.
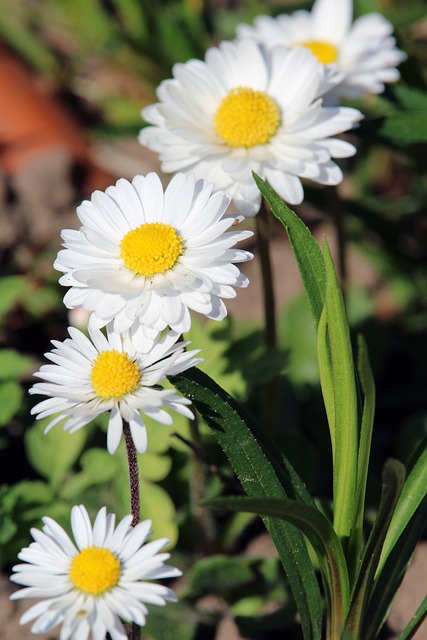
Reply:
x=268, y=102
x=145, y=256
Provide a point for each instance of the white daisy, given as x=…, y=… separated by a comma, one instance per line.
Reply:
x=249, y=109
x=147, y=256
x=92, y=583
x=364, y=51
x=111, y=373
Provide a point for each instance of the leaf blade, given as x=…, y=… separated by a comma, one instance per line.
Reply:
x=240, y=439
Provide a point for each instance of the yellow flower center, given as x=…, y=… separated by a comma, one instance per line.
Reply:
x=325, y=52
x=246, y=117
x=114, y=374
x=95, y=570
x=151, y=248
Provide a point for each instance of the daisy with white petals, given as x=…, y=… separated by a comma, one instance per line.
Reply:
x=244, y=109
x=90, y=377
x=92, y=583
x=364, y=51
x=145, y=256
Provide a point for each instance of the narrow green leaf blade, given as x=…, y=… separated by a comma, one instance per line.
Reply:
x=415, y=622
x=322, y=536
x=326, y=375
x=413, y=493
x=368, y=388
x=393, y=478
x=306, y=250
x=345, y=430
x=388, y=581
x=241, y=438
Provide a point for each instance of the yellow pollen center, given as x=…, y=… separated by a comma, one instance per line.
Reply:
x=246, y=117
x=114, y=374
x=325, y=52
x=95, y=570
x=151, y=248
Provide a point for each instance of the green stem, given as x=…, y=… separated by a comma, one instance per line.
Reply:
x=135, y=499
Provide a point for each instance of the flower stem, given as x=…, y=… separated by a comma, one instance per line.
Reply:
x=263, y=226
x=337, y=214
x=135, y=500
x=202, y=515
x=269, y=398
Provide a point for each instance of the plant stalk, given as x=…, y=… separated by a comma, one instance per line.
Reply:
x=269, y=398
x=135, y=500
x=263, y=227
x=337, y=214
x=202, y=515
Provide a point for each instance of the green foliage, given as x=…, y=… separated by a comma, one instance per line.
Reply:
x=255, y=460
x=54, y=454
x=349, y=564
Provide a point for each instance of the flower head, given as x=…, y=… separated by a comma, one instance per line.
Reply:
x=91, y=583
x=364, y=51
x=92, y=376
x=145, y=256
x=244, y=109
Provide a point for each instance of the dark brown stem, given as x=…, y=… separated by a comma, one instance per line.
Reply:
x=263, y=227
x=270, y=391
x=337, y=214
x=135, y=500
x=202, y=515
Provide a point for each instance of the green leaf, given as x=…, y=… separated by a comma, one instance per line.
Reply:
x=307, y=251
x=13, y=364
x=345, y=430
x=413, y=493
x=409, y=97
x=405, y=127
x=297, y=329
x=11, y=395
x=388, y=581
x=220, y=575
x=11, y=290
x=367, y=386
x=98, y=467
x=393, y=477
x=53, y=454
x=416, y=621
x=322, y=536
x=245, y=447
x=326, y=375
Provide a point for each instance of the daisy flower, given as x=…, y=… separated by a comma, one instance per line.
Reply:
x=244, y=109
x=91, y=583
x=145, y=256
x=92, y=376
x=364, y=50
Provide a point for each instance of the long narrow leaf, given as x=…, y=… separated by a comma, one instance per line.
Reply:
x=345, y=430
x=322, y=536
x=368, y=388
x=326, y=376
x=306, y=250
x=240, y=437
x=416, y=621
x=388, y=581
x=413, y=493
x=393, y=477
